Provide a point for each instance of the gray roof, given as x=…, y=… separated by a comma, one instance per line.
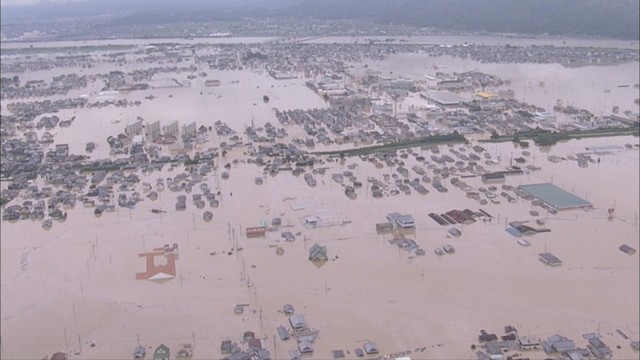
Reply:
x=564, y=345
x=554, y=196
x=370, y=347
x=294, y=354
x=550, y=259
x=318, y=252
x=297, y=321
x=283, y=333
x=288, y=308
x=444, y=97
x=305, y=347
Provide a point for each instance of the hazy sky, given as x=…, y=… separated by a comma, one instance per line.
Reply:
x=30, y=2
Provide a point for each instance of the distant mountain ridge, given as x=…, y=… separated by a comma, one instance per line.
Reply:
x=600, y=18
x=582, y=18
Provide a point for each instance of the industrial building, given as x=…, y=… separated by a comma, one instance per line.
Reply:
x=443, y=98
x=554, y=196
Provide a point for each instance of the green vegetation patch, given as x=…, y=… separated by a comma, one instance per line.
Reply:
x=454, y=137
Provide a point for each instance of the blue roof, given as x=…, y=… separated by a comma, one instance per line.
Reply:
x=514, y=231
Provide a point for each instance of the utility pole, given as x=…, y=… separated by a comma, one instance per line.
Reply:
x=138, y=338
x=66, y=342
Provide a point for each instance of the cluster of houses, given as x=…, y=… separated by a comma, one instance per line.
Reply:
x=162, y=352
x=463, y=217
x=513, y=345
x=406, y=244
x=352, y=123
x=249, y=348
x=298, y=329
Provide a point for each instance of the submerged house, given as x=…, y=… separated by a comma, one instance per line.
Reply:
x=549, y=259
x=370, y=348
x=139, y=353
x=297, y=322
x=318, y=253
x=283, y=333
x=161, y=353
x=257, y=231
x=59, y=356
x=402, y=222
x=288, y=309
x=305, y=347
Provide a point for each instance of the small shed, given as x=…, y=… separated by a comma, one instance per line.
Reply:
x=225, y=347
x=139, y=353
x=161, y=353
x=370, y=347
x=248, y=335
x=337, y=354
x=288, y=309
x=283, y=333
x=550, y=259
x=256, y=231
